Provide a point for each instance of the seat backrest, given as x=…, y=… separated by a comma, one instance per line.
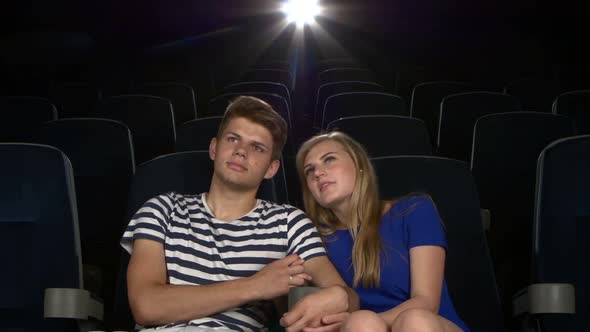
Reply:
x=23, y=117
x=265, y=87
x=571, y=76
x=269, y=75
x=101, y=153
x=458, y=114
x=196, y=135
x=426, y=99
x=503, y=162
x=345, y=74
x=183, y=172
x=576, y=105
x=218, y=105
x=75, y=99
x=272, y=64
x=330, y=89
x=39, y=234
x=182, y=96
x=150, y=119
x=186, y=172
x=469, y=273
x=562, y=225
x=362, y=103
x=338, y=62
x=534, y=93
x=386, y=135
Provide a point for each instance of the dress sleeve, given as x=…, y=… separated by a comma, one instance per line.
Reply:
x=304, y=239
x=149, y=222
x=423, y=223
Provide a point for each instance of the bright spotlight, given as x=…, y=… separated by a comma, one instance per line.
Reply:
x=301, y=11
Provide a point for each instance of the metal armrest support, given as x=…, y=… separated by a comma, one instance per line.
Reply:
x=486, y=218
x=72, y=303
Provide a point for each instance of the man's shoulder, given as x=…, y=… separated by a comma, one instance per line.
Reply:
x=268, y=207
x=177, y=197
x=173, y=200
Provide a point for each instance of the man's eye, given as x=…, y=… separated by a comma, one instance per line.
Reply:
x=259, y=148
x=231, y=139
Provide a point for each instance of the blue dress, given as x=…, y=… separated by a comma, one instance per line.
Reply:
x=411, y=222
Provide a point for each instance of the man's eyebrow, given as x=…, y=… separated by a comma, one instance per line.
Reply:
x=254, y=142
x=260, y=143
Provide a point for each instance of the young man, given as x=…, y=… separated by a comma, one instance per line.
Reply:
x=214, y=261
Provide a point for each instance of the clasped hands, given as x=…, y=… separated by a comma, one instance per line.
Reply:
x=321, y=311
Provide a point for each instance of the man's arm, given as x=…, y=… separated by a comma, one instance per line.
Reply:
x=325, y=275
x=334, y=297
x=154, y=302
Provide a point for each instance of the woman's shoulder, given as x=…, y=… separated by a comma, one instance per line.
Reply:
x=406, y=203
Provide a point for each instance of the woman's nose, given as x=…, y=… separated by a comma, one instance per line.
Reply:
x=319, y=172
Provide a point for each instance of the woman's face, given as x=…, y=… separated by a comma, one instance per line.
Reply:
x=330, y=175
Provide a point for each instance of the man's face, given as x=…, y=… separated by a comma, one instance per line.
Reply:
x=243, y=155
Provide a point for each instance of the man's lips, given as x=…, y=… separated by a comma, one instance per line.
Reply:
x=236, y=166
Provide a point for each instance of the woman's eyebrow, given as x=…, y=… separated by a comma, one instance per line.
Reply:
x=321, y=158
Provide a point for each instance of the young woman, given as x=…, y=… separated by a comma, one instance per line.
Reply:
x=391, y=252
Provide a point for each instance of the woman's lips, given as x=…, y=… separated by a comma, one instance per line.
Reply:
x=325, y=185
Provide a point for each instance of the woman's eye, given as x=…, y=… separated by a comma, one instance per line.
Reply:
x=329, y=159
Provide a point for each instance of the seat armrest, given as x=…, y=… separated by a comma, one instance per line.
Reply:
x=548, y=298
x=72, y=303
x=296, y=293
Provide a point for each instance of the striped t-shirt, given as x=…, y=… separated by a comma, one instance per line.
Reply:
x=202, y=250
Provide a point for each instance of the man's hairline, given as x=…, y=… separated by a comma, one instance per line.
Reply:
x=227, y=123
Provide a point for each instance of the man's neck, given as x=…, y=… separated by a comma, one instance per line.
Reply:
x=227, y=204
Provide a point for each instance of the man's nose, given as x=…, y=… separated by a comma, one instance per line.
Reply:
x=240, y=150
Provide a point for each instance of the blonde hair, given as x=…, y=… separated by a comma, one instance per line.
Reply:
x=366, y=207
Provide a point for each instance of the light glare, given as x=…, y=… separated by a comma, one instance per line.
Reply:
x=301, y=11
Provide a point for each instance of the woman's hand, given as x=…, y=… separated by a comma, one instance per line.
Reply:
x=311, y=309
x=329, y=323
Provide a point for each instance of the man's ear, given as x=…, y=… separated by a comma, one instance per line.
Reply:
x=272, y=169
x=212, y=148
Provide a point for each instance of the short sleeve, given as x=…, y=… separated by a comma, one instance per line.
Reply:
x=304, y=239
x=423, y=223
x=149, y=222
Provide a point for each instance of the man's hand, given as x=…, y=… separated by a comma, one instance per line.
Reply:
x=310, y=310
x=276, y=278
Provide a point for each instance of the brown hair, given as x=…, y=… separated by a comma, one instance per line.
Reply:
x=366, y=207
x=259, y=112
